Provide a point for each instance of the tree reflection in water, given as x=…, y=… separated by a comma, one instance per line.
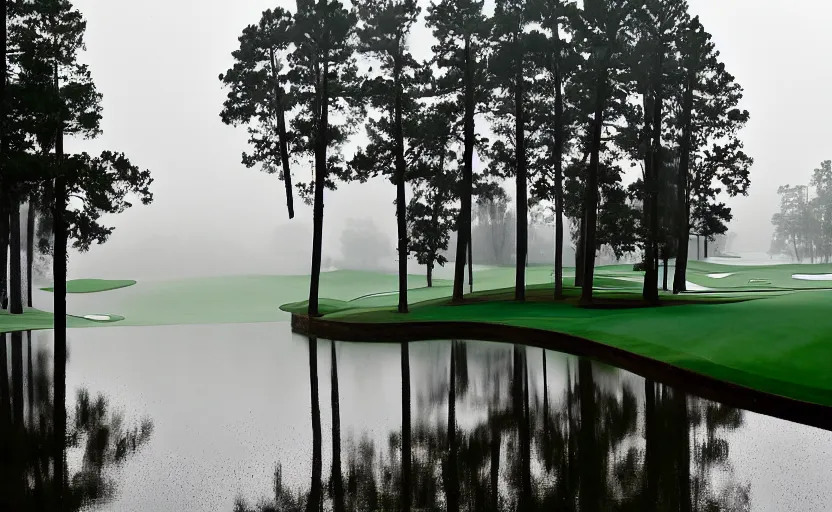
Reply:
x=600, y=442
x=94, y=431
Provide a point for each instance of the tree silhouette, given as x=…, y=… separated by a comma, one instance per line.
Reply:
x=258, y=97
x=385, y=28
x=430, y=214
x=461, y=30
x=324, y=82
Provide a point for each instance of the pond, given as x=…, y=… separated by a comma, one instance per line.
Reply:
x=203, y=418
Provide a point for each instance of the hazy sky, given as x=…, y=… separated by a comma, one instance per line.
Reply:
x=156, y=63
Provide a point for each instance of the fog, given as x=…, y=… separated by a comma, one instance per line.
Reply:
x=156, y=63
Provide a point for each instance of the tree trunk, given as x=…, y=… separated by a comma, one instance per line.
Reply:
x=647, y=210
x=706, y=246
x=520, y=180
x=320, y=181
x=30, y=250
x=794, y=244
x=337, y=481
x=558, y=185
x=452, y=485
x=281, y=136
x=591, y=199
x=15, y=270
x=579, y=255
x=4, y=186
x=683, y=220
x=664, y=277
x=401, y=212
x=470, y=261
x=656, y=169
x=315, y=493
x=463, y=226
x=697, y=248
x=406, y=438
x=4, y=246
x=59, y=266
x=430, y=274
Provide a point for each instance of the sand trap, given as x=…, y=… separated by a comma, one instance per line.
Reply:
x=720, y=276
x=813, y=277
x=98, y=318
x=693, y=287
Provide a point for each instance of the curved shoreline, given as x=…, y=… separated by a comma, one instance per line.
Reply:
x=710, y=388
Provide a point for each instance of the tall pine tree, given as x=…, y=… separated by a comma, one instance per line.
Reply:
x=323, y=78
x=462, y=32
x=383, y=35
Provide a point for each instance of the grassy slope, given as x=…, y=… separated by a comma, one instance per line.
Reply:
x=758, y=277
x=94, y=285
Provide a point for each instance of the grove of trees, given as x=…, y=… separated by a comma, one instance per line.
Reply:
x=559, y=95
x=803, y=226
x=46, y=96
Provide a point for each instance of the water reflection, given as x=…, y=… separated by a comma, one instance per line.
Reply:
x=54, y=458
x=516, y=435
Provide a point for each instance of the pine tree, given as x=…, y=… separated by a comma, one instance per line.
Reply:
x=257, y=95
x=604, y=37
x=324, y=82
x=558, y=61
x=711, y=155
x=385, y=27
x=435, y=178
x=462, y=32
x=512, y=72
x=657, y=23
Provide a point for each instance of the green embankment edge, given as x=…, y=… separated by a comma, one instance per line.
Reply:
x=94, y=285
x=776, y=343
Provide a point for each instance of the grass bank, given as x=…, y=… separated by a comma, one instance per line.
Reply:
x=774, y=342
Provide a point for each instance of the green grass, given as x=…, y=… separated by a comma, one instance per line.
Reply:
x=759, y=277
x=777, y=342
x=93, y=285
x=34, y=319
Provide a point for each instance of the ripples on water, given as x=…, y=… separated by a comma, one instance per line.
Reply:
x=228, y=417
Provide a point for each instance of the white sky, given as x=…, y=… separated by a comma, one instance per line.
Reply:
x=156, y=63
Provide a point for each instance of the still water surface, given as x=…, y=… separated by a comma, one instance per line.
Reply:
x=201, y=418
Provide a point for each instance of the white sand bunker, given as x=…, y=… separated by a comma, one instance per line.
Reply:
x=720, y=276
x=813, y=277
x=98, y=318
x=693, y=287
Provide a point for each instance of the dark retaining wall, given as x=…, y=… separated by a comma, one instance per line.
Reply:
x=701, y=385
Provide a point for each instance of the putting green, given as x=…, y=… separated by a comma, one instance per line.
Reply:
x=34, y=319
x=93, y=285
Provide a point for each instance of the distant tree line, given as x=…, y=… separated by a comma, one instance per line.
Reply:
x=803, y=226
x=571, y=93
